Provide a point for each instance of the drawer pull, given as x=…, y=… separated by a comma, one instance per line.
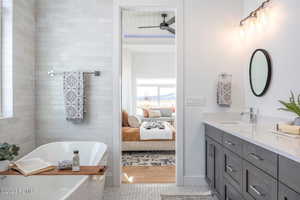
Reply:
x=256, y=191
x=256, y=157
x=229, y=143
x=229, y=168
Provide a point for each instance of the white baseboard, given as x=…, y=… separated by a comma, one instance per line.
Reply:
x=194, y=181
x=109, y=180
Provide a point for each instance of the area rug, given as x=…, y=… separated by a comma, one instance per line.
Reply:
x=148, y=158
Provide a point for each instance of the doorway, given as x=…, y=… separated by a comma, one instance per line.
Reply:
x=175, y=6
x=148, y=96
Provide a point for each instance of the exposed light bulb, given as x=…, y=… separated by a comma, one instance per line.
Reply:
x=257, y=19
x=263, y=16
x=252, y=24
x=242, y=31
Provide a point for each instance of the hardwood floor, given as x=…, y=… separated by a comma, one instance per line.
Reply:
x=148, y=174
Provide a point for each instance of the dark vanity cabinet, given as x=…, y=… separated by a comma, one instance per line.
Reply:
x=209, y=161
x=239, y=170
x=213, y=167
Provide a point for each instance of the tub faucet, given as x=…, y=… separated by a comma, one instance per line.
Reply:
x=252, y=115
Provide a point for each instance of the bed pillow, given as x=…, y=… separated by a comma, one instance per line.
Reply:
x=154, y=113
x=125, y=119
x=134, y=121
x=145, y=112
x=166, y=112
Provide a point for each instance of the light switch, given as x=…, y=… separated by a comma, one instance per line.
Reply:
x=195, y=101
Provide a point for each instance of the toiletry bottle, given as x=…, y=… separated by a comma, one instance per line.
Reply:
x=76, y=162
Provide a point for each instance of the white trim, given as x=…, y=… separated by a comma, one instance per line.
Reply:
x=117, y=84
x=180, y=93
x=195, y=181
x=173, y=5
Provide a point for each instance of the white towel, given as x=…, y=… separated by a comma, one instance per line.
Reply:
x=73, y=84
x=156, y=133
x=224, y=91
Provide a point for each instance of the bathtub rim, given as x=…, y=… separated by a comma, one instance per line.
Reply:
x=84, y=177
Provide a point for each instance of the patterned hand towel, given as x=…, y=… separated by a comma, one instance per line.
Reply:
x=224, y=91
x=73, y=84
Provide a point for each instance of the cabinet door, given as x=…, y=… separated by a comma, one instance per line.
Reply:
x=231, y=193
x=233, y=169
x=257, y=184
x=218, y=182
x=286, y=193
x=289, y=173
x=209, y=161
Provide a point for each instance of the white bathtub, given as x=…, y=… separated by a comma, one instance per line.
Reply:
x=58, y=187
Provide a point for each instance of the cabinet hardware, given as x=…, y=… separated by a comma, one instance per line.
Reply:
x=256, y=191
x=229, y=168
x=256, y=157
x=229, y=143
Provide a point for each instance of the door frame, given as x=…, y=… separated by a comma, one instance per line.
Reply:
x=178, y=8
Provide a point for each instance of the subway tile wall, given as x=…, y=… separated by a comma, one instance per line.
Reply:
x=74, y=36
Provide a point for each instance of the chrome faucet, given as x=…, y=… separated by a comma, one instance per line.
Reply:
x=252, y=115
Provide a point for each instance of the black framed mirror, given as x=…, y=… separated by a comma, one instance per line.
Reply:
x=260, y=72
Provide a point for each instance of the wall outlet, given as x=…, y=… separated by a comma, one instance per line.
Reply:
x=195, y=101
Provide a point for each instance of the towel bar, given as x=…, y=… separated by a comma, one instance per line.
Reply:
x=52, y=73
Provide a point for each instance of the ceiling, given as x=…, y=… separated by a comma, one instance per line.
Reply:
x=131, y=19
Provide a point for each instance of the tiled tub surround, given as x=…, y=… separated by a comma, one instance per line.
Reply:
x=74, y=36
x=251, y=162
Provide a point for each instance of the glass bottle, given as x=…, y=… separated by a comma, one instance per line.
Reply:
x=76, y=161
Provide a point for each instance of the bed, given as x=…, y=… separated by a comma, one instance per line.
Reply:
x=131, y=140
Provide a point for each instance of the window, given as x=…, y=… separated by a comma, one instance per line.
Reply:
x=6, y=59
x=156, y=93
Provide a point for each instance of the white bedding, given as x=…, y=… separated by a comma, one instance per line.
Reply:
x=156, y=133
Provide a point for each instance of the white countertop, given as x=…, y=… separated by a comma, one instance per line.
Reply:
x=283, y=145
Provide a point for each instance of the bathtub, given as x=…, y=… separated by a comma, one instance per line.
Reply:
x=58, y=187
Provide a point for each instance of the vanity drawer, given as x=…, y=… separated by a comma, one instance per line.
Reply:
x=231, y=193
x=289, y=173
x=258, y=185
x=233, y=143
x=286, y=193
x=262, y=158
x=214, y=133
x=233, y=169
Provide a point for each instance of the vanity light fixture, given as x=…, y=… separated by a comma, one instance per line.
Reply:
x=257, y=17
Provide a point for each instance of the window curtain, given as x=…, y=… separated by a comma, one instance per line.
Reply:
x=127, y=100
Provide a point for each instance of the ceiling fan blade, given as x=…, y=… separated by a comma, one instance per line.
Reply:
x=148, y=26
x=171, y=30
x=171, y=21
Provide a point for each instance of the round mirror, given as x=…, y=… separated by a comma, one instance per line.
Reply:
x=260, y=72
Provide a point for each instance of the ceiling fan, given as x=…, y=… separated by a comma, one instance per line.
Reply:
x=165, y=25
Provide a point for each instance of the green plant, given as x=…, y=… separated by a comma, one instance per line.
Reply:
x=8, y=151
x=292, y=106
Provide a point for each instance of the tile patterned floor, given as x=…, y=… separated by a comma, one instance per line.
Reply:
x=148, y=191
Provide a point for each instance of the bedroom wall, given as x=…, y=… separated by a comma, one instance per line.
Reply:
x=151, y=65
x=19, y=58
x=280, y=37
x=74, y=36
